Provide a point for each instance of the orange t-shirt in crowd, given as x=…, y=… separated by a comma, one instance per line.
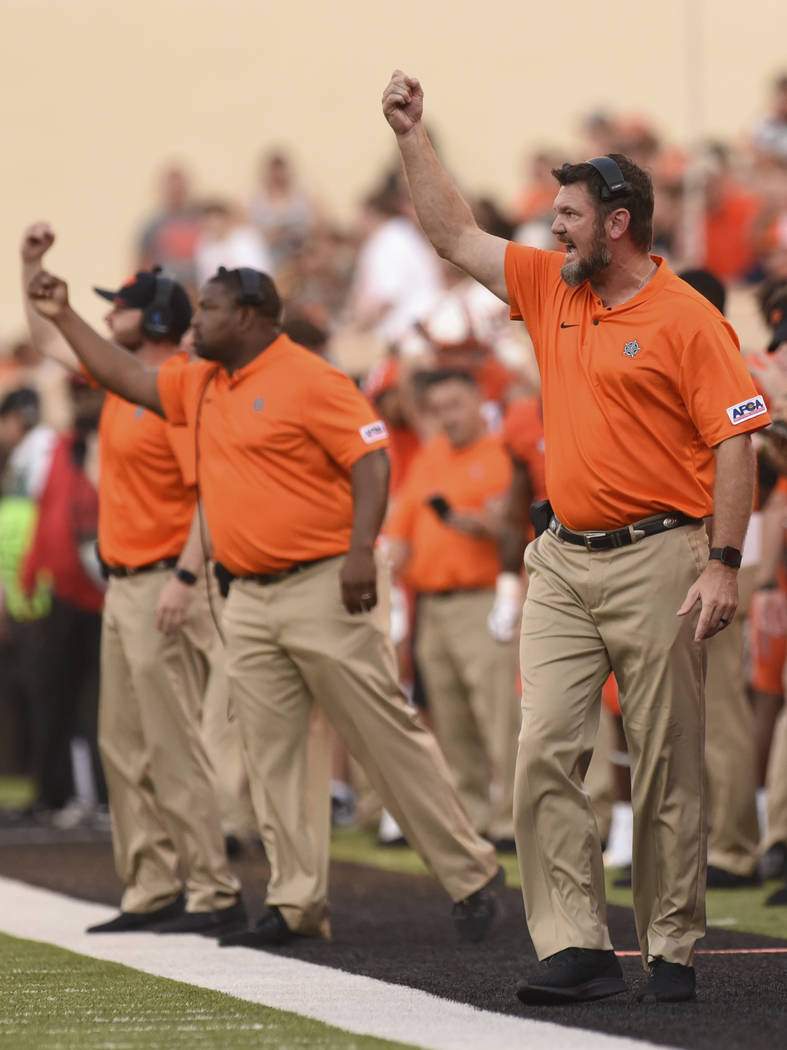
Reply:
x=276, y=441
x=442, y=558
x=635, y=396
x=523, y=436
x=146, y=487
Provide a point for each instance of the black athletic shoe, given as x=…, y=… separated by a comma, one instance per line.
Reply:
x=270, y=931
x=209, y=923
x=475, y=916
x=773, y=862
x=623, y=881
x=777, y=897
x=668, y=983
x=574, y=975
x=721, y=879
x=130, y=921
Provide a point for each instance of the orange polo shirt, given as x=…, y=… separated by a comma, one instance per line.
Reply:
x=443, y=559
x=635, y=396
x=146, y=486
x=276, y=440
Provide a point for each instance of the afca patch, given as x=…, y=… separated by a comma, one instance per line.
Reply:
x=755, y=406
x=373, y=432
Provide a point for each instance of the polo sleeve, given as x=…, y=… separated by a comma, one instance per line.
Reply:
x=181, y=441
x=340, y=419
x=172, y=390
x=716, y=387
x=528, y=272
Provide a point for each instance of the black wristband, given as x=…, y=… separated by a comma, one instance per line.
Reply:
x=729, y=556
x=185, y=576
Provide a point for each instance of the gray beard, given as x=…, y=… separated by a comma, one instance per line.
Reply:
x=574, y=273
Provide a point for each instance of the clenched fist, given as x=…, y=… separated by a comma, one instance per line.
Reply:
x=403, y=102
x=48, y=294
x=37, y=239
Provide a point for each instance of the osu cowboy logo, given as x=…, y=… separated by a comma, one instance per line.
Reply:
x=632, y=349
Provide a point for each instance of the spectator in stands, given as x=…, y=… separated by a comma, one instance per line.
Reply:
x=224, y=240
x=169, y=238
x=281, y=210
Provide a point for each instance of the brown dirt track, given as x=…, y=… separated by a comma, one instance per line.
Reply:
x=397, y=928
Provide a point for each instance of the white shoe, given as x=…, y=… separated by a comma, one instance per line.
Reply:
x=619, y=851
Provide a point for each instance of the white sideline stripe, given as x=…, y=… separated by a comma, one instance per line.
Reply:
x=357, y=1004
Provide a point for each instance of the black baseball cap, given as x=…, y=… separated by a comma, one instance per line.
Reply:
x=139, y=291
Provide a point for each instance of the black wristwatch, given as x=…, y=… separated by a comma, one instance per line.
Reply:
x=729, y=556
x=185, y=576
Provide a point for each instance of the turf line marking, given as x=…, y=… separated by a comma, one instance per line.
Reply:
x=348, y=1001
x=725, y=951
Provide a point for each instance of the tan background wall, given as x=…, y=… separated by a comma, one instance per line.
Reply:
x=96, y=94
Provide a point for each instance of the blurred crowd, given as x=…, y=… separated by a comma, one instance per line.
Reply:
x=373, y=298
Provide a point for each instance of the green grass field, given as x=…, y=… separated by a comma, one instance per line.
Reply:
x=52, y=999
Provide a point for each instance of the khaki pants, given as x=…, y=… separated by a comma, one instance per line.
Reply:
x=777, y=784
x=162, y=790
x=293, y=642
x=471, y=687
x=586, y=614
x=733, y=834
x=224, y=745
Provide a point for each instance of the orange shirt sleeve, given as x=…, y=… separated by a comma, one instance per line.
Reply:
x=716, y=385
x=341, y=420
x=172, y=390
x=529, y=272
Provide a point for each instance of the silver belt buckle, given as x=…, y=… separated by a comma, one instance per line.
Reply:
x=589, y=537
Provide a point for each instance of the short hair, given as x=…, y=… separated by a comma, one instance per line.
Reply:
x=26, y=402
x=637, y=198
x=427, y=380
x=265, y=299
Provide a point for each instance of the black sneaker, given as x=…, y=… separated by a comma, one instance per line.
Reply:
x=475, y=916
x=773, y=862
x=777, y=897
x=721, y=879
x=668, y=983
x=270, y=931
x=209, y=923
x=574, y=975
x=131, y=921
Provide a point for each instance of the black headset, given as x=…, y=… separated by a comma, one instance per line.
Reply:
x=156, y=317
x=614, y=183
x=251, y=293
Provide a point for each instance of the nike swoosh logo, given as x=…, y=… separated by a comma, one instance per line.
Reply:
x=564, y=325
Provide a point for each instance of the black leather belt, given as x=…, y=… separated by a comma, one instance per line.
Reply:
x=135, y=570
x=623, y=537
x=264, y=578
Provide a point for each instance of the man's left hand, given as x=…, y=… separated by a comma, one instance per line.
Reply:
x=717, y=592
x=358, y=578
x=174, y=603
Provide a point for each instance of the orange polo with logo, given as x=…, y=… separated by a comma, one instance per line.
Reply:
x=442, y=558
x=146, y=488
x=277, y=440
x=635, y=396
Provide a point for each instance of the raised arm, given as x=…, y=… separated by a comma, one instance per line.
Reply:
x=444, y=214
x=37, y=239
x=109, y=364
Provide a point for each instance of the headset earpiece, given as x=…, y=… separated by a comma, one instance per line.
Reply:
x=156, y=319
x=251, y=293
x=614, y=183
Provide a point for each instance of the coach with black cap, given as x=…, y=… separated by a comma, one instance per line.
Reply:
x=157, y=631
